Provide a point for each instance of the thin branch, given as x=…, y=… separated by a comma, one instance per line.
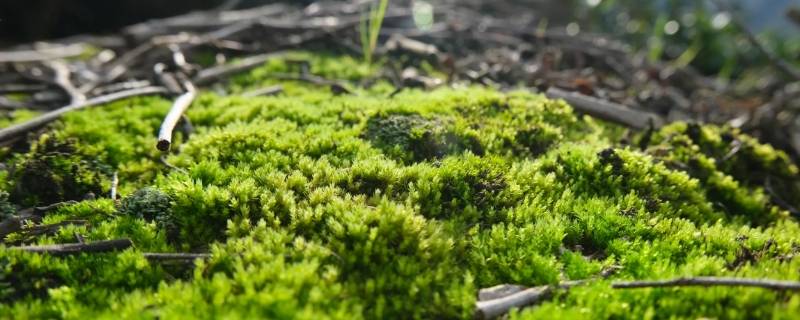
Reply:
x=220, y=72
x=266, y=91
x=175, y=257
x=17, y=130
x=606, y=110
x=712, y=281
x=337, y=86
x=498, y=300
x=499, y=291
x=494, y=308
x=175, y=113
x=21, y=88
x=114, y=184
x=62, y=79
x=77, y=248
x=42, y=54
x=10, y=225
x=51, y=228
x=14, y=223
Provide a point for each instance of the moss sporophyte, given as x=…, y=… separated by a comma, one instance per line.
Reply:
x=315, y=205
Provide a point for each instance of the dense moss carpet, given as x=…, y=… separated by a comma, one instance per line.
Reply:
x=315, y=205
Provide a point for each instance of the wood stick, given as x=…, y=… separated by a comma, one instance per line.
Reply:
x=10, y=225
x=499, y=291
x=266, y=91
x=21, y=88
x=711, y=281
x=62, y=79
x=494, y=308
x=180, y=257
x=498, y=300
x=77, y=248
x=51, y=228
x=17, y=130
x=175, y=113
x=606, y=110
x=114, y=184
x=14, y=223
x=220, y=72
x=42, y=54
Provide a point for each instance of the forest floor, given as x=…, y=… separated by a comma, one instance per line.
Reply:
x=258, y=164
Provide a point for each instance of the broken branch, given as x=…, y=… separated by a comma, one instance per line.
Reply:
x=497, y=307
x=77, y=248
x=266, y=91
x=711, y=281
x=220, y=72
x=175, y=257
x=35, y=123
x=175, y=113
x=606, y=110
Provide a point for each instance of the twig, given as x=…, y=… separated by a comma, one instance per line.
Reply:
x=10, y=225
x=22, y=88
x=266, y=91
x=711, y=281
x=77, y=248
x=498, y=300
x=499, y=291
x=114, y=184
x=778, y=200
x=14, y=223
x=48, y=228
x=175, y=113
x=166, y=163
x=497, y=307
x=606, y=110
x=9, y=104
x=220, y=72
x=35, y=123
x=336, y=86
x=62, y=79
x=42, y=54
x=176, y=257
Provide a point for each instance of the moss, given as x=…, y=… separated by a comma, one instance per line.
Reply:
x=411, y=138
x=315, y=205
x=6, y=208
x=55, y=171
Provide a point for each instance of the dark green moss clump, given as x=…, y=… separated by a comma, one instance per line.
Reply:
x=324, y=206
x=55, y=171
x=412, y=138
x=6, y=208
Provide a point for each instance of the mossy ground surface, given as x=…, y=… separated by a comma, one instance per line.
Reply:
x=315, y=205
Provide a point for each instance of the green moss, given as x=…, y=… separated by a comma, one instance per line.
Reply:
x=6, y=208
x=55, y=171
x=316, y=205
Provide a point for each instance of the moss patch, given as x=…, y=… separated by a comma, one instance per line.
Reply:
x=316, y=205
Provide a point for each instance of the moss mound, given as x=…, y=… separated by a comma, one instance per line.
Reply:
x=315, y=205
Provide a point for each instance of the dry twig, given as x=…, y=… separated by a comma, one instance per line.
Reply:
x=266, y=91
x=18, y=130
x=606, y=110
x=710, y=282
x=175, y=113
x=77, y=248
x=175, y=257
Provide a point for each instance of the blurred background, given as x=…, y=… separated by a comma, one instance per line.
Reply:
x=666, y=28
x=729, y=62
